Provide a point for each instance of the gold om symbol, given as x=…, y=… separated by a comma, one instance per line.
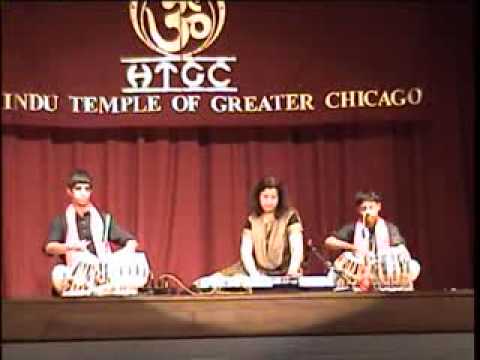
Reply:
x=195, y=24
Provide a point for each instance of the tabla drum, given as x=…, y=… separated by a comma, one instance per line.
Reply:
x=128, y=270
x=119, y=274
x=393, y=270
x=350, y=267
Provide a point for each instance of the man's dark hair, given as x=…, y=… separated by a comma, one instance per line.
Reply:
x=269, y=182
x=362, y=196
x=79, y=176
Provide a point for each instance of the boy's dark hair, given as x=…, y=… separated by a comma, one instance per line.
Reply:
x=362, y=196
x=269, y=182
x=79, y=176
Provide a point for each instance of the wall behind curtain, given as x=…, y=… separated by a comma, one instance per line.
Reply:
x=184, y=191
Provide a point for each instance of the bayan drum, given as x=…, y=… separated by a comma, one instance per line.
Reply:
x=350, y=267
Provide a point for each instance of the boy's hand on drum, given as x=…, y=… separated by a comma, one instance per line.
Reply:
x=360, y=253
x=80, y=245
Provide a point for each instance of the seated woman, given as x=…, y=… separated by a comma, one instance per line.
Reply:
x=272, y=240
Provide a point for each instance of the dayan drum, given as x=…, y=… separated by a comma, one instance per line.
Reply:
x=128, y=270
x=395, y=270
x=121, y=274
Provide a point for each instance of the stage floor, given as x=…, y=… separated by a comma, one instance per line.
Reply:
x=313, y=313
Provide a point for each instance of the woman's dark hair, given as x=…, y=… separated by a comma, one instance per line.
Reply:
x=269, y=182
x=362, y=196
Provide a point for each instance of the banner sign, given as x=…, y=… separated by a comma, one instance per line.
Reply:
x=182, y=78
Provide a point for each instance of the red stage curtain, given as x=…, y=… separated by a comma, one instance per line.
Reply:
x=184, y=192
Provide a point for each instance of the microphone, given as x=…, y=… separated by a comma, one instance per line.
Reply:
x=365, y=217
